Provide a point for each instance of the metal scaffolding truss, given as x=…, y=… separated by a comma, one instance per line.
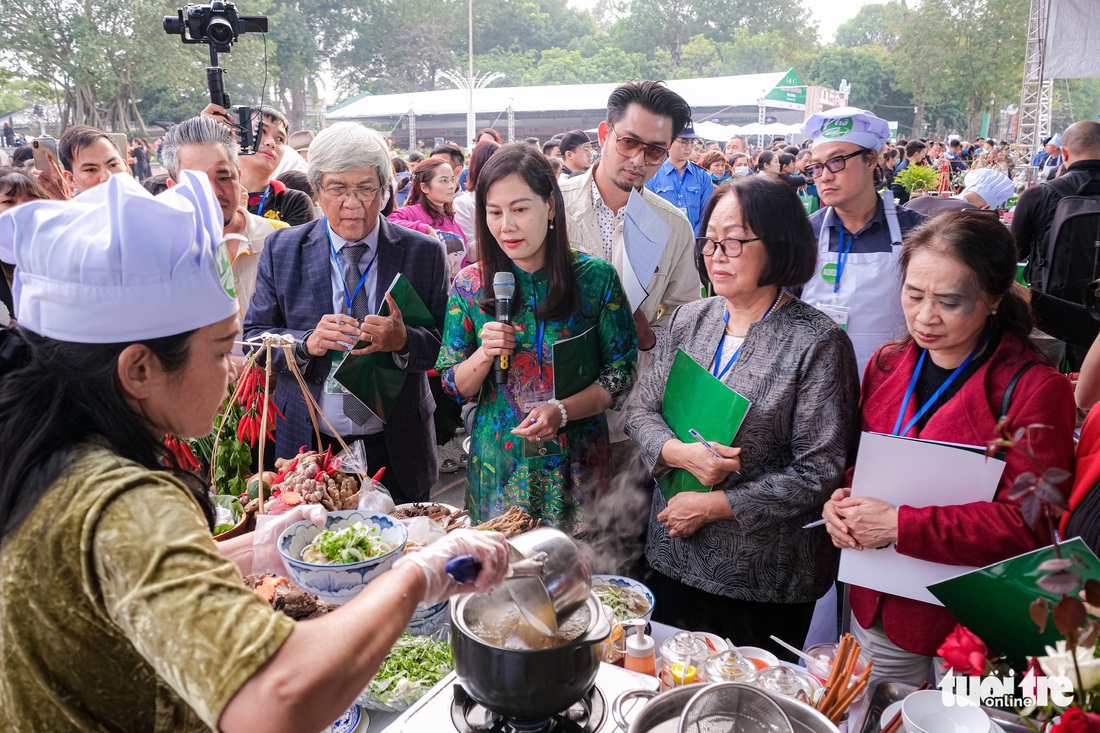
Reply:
x=1037, y=94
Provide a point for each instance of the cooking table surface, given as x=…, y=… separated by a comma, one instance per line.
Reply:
x=380, y=722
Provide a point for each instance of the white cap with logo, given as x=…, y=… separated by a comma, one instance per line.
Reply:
x=848, y=125
x=117, y=264
x=993, y=186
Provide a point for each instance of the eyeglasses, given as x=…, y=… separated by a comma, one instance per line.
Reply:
x=731, y=246
x=365, y=194
x=628, y=148
x=835, y=165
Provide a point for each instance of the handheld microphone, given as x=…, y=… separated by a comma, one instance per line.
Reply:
x=504, y=287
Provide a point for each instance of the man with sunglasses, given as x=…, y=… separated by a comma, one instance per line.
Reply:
x=643, y=120
x=857, y=280
x=680, y=181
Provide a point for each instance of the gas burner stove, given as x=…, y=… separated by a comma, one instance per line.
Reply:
x=584, y=716
x=447, y=707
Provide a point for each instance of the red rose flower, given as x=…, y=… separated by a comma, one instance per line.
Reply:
x=964, y=652
x=1076, y=720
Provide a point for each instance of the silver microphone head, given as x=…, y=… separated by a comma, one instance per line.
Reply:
x=504, y=285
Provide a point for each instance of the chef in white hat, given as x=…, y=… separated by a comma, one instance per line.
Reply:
x=119, y=611
x=859, y=233
x=984, y=188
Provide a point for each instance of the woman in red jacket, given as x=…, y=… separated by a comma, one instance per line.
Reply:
x=946, y=381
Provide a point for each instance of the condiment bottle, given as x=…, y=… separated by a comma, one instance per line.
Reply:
x=729, y=666
x=612, y=648
x=639, y=649
x=682, y=655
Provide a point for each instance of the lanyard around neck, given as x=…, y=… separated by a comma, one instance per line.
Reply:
x=936, y=395
x=722, y=341
x=842, y=256
x=349, y=296
x=263, y=200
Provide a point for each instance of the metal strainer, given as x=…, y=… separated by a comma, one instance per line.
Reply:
x=732, y=707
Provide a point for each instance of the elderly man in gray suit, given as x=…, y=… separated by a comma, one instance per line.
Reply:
x=323, y=281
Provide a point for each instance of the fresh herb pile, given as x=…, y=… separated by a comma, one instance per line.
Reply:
x=354, y=543
x=415, y=664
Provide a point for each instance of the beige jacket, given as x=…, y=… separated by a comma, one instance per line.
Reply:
x=246, y=264
x=676, y=281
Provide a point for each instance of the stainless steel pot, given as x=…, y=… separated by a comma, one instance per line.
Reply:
x=662, y=713
x=563, y=586
x=526, y=684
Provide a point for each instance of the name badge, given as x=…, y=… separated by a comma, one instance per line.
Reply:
x=839, y=313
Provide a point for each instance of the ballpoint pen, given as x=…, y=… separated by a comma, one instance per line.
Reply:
x=694, y=434
x=811, y=525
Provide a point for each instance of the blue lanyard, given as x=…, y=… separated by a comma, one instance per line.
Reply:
x=936, y=395
x=842, y=258
x=349, y=297
x=722, y=341
x=540, y=328
x=260, y=210
x=678, y=184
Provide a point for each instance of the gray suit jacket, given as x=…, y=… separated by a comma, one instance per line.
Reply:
x=293, y=292
x=798, y=370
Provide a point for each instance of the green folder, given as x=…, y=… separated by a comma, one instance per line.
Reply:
x=994, y=601
x=696, y=399
x=576, y=363
x=373, y=378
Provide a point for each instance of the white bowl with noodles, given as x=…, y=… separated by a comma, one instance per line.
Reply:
x=623, y=583
x=339, y=583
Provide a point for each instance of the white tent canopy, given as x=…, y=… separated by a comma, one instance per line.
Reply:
x=720, y=91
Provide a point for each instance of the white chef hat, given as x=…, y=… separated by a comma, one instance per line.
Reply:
x=849, y=125
x=117, y=264
x=993, y=186
x=1056, y=140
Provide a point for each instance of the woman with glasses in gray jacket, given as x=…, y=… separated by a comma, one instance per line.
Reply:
x=735, y=560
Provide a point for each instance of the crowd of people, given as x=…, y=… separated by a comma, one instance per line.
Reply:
x=791, y=273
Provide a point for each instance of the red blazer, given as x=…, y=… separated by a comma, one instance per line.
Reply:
x=980, y=533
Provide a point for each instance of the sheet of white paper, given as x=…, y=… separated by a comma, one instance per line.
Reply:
x=645, y=235
x=635, y=292
x=918, y=474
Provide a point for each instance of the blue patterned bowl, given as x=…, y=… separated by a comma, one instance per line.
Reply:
x=347, y=722
x=428, y=620
x=339, y=583
x=621, y=581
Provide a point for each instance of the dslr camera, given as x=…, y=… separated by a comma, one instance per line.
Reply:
x=217, y=24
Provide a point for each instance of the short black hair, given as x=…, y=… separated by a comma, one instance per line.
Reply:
x=75, y=139
x=272, y=114
x=415, y=157
x=654, y=97
x=21, y=155
x=954, y=143
x=550, y=145
x=298, y=180
x=156, y=185
x=773, y=211
x=913, y=148
x=455, y=153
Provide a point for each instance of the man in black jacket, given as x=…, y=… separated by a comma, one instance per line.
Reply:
x=1035, y=209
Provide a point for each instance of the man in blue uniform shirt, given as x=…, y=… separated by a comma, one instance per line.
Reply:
x=682, y=183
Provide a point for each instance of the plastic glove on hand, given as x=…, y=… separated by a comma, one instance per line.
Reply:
x=488, y=548
x=265, y=557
